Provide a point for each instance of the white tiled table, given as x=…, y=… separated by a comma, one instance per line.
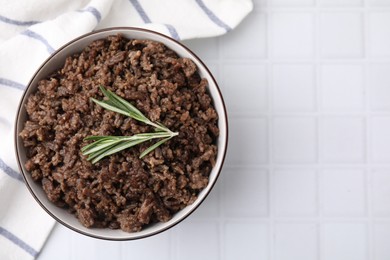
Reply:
x=307, y=85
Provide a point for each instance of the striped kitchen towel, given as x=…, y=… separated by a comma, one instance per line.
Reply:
x=29, y=32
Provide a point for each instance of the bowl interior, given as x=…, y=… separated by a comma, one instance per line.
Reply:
x=55, y=62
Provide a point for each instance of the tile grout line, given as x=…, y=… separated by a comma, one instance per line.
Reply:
x=318, y=115
x=270, y=142
x=310, y=115
x=221, y=220
x=368, y=188
x=171, y=246
x=324, y=9
x=297, y=219
x=318, y=88
x=307, y=165
x=320, y=112
x=304, y=60
x=368, y=116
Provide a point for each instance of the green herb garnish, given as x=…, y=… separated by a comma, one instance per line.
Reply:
x=107, y=145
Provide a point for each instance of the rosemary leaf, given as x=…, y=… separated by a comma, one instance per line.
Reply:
x=108, y=106
x=114, y=149
x=97, y=137
x=151, y=148
x=106, y=145
x=100, y=145
x=120, y=102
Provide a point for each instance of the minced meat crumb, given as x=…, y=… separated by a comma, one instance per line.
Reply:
x=121, y=191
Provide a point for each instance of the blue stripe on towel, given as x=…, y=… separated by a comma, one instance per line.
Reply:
x=40, y=38
x=17, y=241
x=9, y=171
x=173, y=32
x=212, y=16
x=15, y=22
x=95, y=12
x=11, y=83
x=141, y=11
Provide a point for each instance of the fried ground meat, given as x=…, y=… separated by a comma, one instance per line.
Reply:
x=121, y=191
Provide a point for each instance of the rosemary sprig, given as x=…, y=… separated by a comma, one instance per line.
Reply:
x=107, y=145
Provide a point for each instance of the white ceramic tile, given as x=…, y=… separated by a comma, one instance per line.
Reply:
x=259, y=5
x=379, y=2
x=214, y=69
x=379, y=35
x=342, y=139
x=141, y=248
x=245, y=193
x=341, y=241
x=294, y=193
x=340, y=2
x=294, y=140
x=248, y=98
x=380, y=139
x=378, y=82
x=341, y=35
x=248, y=141
x=295, y=241
x=381, y=240
x=293, y=88
x=107, y=250
x=248, y=43
x=291, y=35
x=343, y=192
x=247, y=240
x=291, y=2
x=210, y=206
x=342, y=87
x=82, y=247
x=204, y=48
x=381, y=192
x=195, y=240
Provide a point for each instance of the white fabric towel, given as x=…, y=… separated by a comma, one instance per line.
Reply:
x=29, y=32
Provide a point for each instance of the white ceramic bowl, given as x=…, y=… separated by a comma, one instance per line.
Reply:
x=55, y=62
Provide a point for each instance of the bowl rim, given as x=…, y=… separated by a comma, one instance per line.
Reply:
x=16, y=134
